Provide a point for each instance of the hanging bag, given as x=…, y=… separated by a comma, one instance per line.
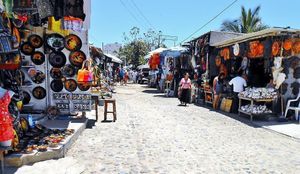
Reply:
x=85, y=74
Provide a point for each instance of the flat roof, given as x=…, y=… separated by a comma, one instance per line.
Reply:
x=256, y=35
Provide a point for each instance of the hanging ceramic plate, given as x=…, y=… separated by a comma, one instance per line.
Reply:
x=236, y=49
x=73, y=42
x=288, y=44
x=24, y=124
x=84, y=87
x=57, y=59
x=70, y=85
x=57, y=85
x=68, y=70
x=39, y=77
x=76, y=58
x=296, y=47
x=55, y=41
x=35, y=41
x=275, y=48
x=27, y=49
x=26, y=98
x=39, y=93
x=56, y=73
x=38, y=58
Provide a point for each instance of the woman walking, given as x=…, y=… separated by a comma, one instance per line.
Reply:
x=184, y=86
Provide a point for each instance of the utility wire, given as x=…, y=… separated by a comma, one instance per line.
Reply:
x=231, y=4
x=142, y=14
x=131, y=13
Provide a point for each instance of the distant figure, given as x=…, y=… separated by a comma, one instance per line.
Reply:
x=184, y=89
x=134, y=76
x=126, y=77
x=122, y=74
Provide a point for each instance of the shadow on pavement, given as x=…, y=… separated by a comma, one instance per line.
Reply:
x=90, y=124
x=151, y=91
x=106, y=121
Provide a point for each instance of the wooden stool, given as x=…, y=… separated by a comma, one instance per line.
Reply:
x=114, y=112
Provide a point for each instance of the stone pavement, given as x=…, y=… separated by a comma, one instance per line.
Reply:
x=155, y=135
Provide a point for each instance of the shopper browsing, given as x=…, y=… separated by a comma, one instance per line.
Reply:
x=218, y=89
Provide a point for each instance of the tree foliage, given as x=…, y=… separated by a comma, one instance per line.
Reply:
x=249, y=21
x=136, y=45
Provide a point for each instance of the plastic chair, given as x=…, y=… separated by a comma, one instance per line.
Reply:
x=295, y=108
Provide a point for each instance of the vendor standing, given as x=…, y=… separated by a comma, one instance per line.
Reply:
x=239, y=84
x=185, y=86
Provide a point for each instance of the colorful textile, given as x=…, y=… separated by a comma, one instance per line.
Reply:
x=6, y=128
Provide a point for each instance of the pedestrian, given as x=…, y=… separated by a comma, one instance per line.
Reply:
x=126, y=77
x=218, y=89
x=239, y=84
x=121, y=74
x=134, y=76
x=184, y=87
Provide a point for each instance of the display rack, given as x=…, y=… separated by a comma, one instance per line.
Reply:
x=252, y=102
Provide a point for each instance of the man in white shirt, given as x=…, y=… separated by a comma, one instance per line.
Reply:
x=239, y=84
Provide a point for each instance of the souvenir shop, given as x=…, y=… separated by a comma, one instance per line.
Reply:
x=201, y=51
x=269, y=60
x=45, y=77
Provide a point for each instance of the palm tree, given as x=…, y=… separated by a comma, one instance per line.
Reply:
x=248, y=22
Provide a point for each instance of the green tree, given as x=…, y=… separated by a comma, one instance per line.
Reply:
x=137, y=45
x=249, y=21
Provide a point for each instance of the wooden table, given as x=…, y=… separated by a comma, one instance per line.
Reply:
x=252, y=101
x=96, y=99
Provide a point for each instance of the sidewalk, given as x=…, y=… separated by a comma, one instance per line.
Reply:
x=291, y=129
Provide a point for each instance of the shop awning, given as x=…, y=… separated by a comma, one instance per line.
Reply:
x=158, y=50
x=114, y=59
x=256, y=35
x=175, y=51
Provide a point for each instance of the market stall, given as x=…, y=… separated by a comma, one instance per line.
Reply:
x=202, y=53
x=268, y=59
x=43, y=56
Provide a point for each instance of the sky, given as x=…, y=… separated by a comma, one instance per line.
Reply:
x=111, y=18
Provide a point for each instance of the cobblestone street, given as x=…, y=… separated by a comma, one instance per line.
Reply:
x=154, y=135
